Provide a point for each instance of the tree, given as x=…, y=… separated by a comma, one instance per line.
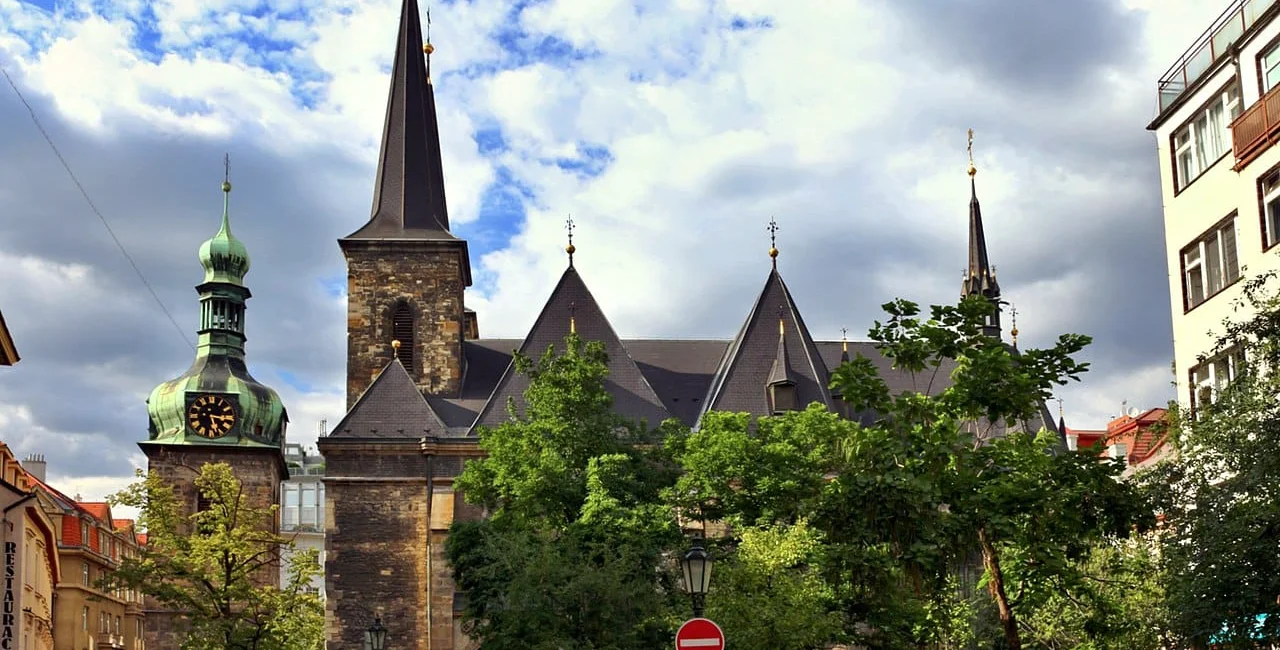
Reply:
x=574, y=551
x=212, y=565
x=1219, y=496
x=942, y=474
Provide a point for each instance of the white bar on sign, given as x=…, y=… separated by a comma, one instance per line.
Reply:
x=700, y=643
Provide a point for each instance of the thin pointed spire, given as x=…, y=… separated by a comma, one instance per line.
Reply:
x=980, y=277
x=408, y=198
x=844, y=344
x=781, y=373
x=573, y=317
x=226, y=195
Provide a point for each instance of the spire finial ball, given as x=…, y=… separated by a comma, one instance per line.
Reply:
x=395, y=344
x=428, y=48
x=773, y=252
x=973, y=171
x=571, y=249
x=226, y=186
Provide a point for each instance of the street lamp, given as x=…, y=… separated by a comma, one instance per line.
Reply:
x=375, y=638
x=696, y=565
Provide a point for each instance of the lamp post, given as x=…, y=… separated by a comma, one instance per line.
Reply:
x=696, y=566
x=375, y=638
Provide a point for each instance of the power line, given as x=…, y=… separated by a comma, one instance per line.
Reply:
x=92, y=206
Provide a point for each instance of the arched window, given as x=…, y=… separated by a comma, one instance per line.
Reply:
x=402, y=331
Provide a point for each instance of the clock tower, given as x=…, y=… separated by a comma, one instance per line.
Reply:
x=216, y=411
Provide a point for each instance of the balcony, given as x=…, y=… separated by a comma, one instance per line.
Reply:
x=1256, y=129
x=1215, y=43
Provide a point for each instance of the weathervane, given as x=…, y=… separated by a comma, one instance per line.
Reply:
x=773, y=240
x=1059, y=400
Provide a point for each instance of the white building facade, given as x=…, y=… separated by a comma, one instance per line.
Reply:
x=302, y=507
x=1218, y=122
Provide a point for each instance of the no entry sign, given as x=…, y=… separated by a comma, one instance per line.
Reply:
x=700, y=634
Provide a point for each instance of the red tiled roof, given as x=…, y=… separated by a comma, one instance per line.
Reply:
x=100, y=510
x=122, y=524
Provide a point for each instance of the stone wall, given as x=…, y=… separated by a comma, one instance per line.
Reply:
x=376, y=552
x=428, y=277
x=259, y=472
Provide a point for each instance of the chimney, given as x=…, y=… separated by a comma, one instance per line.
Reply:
x=35, y=466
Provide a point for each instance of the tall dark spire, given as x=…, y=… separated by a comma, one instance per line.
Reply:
x=408, y=193
x=980, y=277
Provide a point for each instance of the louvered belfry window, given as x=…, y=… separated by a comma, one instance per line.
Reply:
x=402, y=331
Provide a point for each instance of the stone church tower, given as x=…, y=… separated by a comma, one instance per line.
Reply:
x=215, y=411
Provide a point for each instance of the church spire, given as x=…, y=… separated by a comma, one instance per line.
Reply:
x=980, y=277
x=408, y=194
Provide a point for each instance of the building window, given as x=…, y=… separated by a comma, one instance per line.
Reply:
x=1210, y=263
x=402, y=331
x=84, y=618
x=84, y=533
x=1211, y=376
x=84, y=573
x=1269, y=189
x=1206, y=137
x=783, y=396
x=291, y=503
x=1270, y=65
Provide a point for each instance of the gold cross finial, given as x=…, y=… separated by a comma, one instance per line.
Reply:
x=1013, y=313
x=226, y=172
x=972, y=169
x=573, y=324
x=844, y=339
x=570, y=249
x=773, y=240
x=1059, y=400
x=782, y=323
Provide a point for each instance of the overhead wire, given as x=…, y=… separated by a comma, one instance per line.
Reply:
x=92, y=206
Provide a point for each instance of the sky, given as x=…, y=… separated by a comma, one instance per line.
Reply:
x=672, y=131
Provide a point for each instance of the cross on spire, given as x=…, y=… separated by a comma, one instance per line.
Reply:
x=573, y=310
x=1013, y=316
x=972, y=168
x=844, y=339
x=773, y=240
x=570, y=249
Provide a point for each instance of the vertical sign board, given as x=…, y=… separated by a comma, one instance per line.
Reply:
x=12, y=588
x=700, y=634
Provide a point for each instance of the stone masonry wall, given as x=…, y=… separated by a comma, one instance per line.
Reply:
x=259, y=472
x=376, y=559
x=425, y=275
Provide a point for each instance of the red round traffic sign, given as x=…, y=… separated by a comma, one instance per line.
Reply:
x=700, y=634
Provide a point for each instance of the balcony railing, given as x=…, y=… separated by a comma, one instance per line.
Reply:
x=1213, y=44
x=1256, y=129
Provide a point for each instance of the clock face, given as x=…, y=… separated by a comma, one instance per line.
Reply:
x=211, y=416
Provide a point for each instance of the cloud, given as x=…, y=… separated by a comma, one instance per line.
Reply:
x=672, y=130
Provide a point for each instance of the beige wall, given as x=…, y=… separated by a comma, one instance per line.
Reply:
x=38, y=580
x=87, y=617
x=1206, y=201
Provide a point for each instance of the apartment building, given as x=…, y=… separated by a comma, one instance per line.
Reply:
x=90, y=544
x=30, y=557
x=302, y=507
x=1219, y=117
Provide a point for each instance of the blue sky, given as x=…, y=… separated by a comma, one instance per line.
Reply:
x=672, y=130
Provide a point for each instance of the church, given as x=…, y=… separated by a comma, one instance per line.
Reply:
x=421, y=380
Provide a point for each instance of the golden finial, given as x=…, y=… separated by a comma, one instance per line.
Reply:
x=1013, y=313
x=782, y=323
x=973, y=169
x=570, y=249
x=428, y=48
x=395, y=344
x=844, y=339
x=226, y=173
x=573, y=321
x=773, y=240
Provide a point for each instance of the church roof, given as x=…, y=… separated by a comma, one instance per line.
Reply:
x=392, y=407
x=571, y=302
x=749, y=362
x=979, y=278
x=408, y=191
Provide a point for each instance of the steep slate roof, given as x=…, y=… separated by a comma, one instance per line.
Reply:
x=741, y=381
x=632, y=394
x=979, y=278
x=408, y=192
x=392, y=407
x=8, y=353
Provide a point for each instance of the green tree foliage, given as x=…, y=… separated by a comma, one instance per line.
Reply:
x=1221, y=496
x=573, y=552
x=212, y=565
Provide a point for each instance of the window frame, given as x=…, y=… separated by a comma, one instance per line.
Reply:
x=1231, y=103
x=1206, y=387
x=1228, y=265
